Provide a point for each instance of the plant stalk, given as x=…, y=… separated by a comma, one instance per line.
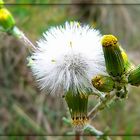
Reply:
x=77, y=135
x=101, y=104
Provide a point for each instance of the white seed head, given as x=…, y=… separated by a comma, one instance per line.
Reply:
x=67, y=57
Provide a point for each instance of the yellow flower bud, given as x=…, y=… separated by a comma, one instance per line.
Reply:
x=134, y=77
x=127, y=64
x=113, y=57
x=103, y=83
x=7, y=21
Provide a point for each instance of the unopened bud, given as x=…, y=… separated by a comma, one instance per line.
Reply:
x=103, y=83
x=134, y=77
x=113, y=57
x=127, y=64
x=7, y=21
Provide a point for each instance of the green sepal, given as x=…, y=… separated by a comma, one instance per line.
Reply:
x=103, y=83
x=114, y=61
x=134, y=77
x=77, y=104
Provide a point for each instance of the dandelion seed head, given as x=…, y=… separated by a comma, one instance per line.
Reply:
x=67, y=57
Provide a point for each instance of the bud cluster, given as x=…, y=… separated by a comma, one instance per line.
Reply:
x=121, y=71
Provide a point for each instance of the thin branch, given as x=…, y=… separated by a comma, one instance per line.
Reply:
x=16, y=32
x=93, y=131
x=26, y=41
x=101, y=104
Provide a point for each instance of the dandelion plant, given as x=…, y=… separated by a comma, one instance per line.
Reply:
x=75, y=61
x=64, y=62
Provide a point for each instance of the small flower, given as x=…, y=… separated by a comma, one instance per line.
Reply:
x=7, y=21
x=66, y=59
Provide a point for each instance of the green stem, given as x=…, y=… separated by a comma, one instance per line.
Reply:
x=101, y=104
x=93, y=131
x=16, y=32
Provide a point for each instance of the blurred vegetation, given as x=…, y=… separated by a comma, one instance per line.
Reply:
x=24, y=110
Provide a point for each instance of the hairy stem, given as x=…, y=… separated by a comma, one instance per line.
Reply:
x=16, y=32
x=93, y=131
x=101, y=104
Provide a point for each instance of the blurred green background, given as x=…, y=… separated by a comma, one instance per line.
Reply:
x=24, y=110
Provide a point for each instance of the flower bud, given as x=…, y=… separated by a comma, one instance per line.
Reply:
x=7, y=21
x=77, y=104
x=103, y=83
x=127, y=64
x=134, y=77
x=113, y=57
